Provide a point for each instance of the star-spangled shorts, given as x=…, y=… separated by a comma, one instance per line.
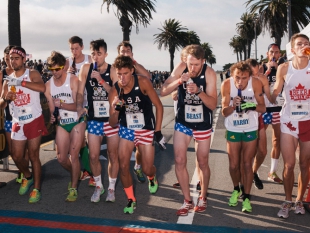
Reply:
x=140, y=136
x=298, y=129
x=198, y=135
x=101, y=128
x=8, y=126
x=271, y=118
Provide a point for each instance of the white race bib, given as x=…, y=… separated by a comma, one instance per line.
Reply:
x=135, y=120
x=240, y=120
x=299, y=110
x=193, y=113
x=280, y=100
x=101, y=108
x=67, y=117
x=25, y=115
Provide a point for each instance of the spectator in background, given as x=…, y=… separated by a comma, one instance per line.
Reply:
x=40, y=66
x=221, y=76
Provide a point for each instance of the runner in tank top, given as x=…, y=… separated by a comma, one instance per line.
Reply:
x=197, y=98
x=22, y=92
x=293, y=78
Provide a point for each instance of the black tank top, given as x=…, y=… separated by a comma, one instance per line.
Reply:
x=8, y=116
x=96, y=92
x=136, y=102
x=190, y=106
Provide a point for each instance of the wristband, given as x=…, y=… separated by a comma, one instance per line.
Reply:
x=180, y=81
x=102, y=82
x=23, y=83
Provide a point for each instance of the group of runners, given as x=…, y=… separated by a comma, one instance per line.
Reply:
x=89, y=98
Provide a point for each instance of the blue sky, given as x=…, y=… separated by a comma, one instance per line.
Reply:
x=47, y=25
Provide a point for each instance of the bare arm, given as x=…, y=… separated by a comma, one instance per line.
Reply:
x=280, y=77
x=209, y=97
x=36, y=83
x=140, y=70
x=174, y=80
x=81, y=87
x=225, y=92
x=4, y=98
x=113, y=99
x=258, y=93
x=266, y=87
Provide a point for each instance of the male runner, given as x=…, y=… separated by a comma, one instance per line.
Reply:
x=241, y=122
x=293, y=78
x=98, y=82
x=22, y=91
x=137, y=124
x=60, y=93
x=197, y=98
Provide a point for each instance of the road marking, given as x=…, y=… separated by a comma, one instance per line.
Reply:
x=194, y=194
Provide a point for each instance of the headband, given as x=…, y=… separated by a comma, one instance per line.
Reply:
x=18, y=52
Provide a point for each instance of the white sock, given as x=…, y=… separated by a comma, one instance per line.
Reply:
x=98, y=181
x=112, y=182
x=274, y=165
x=137, y=166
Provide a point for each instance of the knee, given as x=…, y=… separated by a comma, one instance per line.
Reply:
x=93, y=157
x=124, y=167
x=289, y=167
x=62, y=159
x=234, y=167
x=113, y=157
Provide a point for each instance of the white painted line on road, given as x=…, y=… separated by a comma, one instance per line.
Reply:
x=190, y=217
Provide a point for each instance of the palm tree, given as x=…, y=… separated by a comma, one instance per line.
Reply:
x=14, y=22
x=192, y=38
x=208, y=50
x=248, y=29
x=273, y=15
x=212, y=59
x=132, y=11
x=238, y=44
x=173, y=36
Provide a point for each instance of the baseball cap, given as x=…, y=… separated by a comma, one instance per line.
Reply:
x=273, y=44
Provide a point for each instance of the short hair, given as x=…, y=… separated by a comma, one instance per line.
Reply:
x=184, y=53
x=96, y=44
x=56, y=58
x=76, y=40
x=8, y=48
x=125, y=44
x=295, y=36
x=273, y=44
x=195, y=50
x=252, y=62
x=242, y=66
x=122, y=61
x=19, y=50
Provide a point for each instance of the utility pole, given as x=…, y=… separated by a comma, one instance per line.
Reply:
x=289, y=20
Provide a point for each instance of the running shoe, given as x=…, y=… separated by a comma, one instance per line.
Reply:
x=97, y=193
x=176, y=185
x=299, y=208
x=257, y=181
x=198, y=186
x=130, y=207
x=139, y=175
x=19, y=177
x=85, y=175
x=153, y=185
x=285, y=209
x=35, y=196
x=185, y=208
x=274, y=177
x=246, y=206
x=69, y=185
x=110, y=196
x=201, y=204
x=72, y=195
x=233, y=200
x=91, y=182
x=24, y=187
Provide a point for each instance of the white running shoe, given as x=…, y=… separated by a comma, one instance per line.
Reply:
x=299, y=208
x=97, y=193
x=110, y=196
x=285, y=209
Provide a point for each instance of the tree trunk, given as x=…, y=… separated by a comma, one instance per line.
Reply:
x=249, y=50
x=126, y=28
x=240, y=53
x=278, y=40
x=171, y=51
x=237, y=56
x=14, y=22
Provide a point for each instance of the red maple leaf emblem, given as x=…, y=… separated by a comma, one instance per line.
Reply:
x=290, y=126
x=15, y=127
x=300, y=87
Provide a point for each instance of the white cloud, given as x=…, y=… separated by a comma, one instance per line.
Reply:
x=47, y=25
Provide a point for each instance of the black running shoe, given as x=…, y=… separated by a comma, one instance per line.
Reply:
x=257, y=182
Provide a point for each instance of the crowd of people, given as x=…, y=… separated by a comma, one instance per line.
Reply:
x=89, y=99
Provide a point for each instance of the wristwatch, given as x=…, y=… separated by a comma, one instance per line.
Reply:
x=198, y=92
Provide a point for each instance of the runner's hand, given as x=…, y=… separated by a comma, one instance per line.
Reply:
x=160, y=140
x=13, y=81
x=247, y=106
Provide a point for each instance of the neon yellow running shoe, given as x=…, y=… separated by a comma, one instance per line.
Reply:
x=130, y=207
x=35, y=196
x=72, y=195
x=24, y=187
x=153, y=185
x=233, y=200
x=246, y=206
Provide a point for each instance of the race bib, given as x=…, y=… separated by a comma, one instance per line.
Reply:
x=240, y=120
x=25, y=115
x=135, y=120
x=299, y=110
x=280, y=100
x=101, y=108
x=67, y=117
x=193, y=113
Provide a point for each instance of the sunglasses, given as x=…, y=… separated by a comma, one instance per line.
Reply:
x=56, y=69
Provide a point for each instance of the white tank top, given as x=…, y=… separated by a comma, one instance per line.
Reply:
x=26, y=107
x=242, y=122
x=78, y=65
x=64, y=93
x=296, y=94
